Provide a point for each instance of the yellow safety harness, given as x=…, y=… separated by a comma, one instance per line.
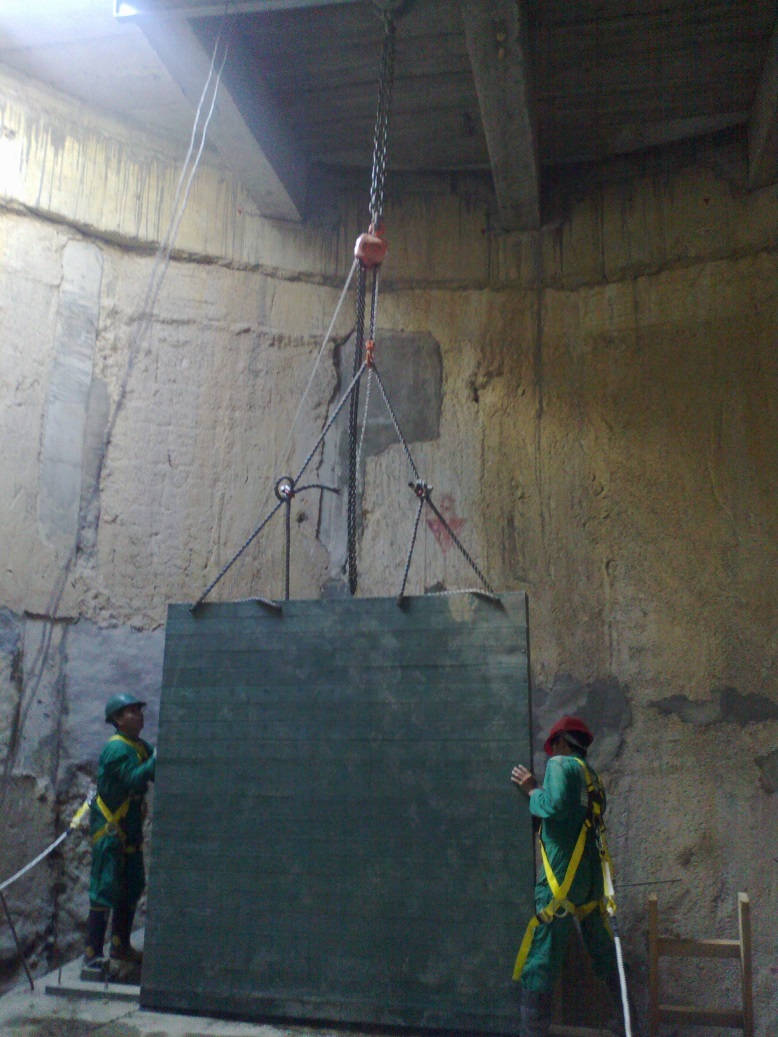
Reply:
x=559, y=906
x=114, y=818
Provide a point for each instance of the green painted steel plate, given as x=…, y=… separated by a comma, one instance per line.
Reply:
x=335, y=833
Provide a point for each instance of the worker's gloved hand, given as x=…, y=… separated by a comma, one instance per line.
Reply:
x=523, y=779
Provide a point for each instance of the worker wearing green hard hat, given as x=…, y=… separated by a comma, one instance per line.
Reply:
x=126, y=766
x=118, y=702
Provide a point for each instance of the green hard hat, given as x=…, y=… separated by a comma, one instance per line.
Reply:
x=118, y=702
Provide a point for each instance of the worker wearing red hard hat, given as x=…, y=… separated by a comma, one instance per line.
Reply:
x=570, y=804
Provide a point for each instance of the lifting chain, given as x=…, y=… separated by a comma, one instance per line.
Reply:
x=382, y=123
x=370, y=251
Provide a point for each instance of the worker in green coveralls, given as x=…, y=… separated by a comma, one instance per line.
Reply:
x=570, y=805
x=116, y=826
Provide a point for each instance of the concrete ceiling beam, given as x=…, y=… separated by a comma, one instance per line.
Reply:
x=211, y=9
x=763, y=123
x=247, y=128
x=497, y=44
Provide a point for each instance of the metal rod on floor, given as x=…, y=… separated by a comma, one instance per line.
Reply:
x=16, y=938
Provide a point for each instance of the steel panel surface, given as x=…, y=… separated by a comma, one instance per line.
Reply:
x=335, y=835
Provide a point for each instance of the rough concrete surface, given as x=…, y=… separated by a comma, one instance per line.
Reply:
x=81, y=1012
x=64, y=1006
x=607, y=439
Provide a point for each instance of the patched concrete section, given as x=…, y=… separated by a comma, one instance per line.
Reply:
x=99, y=663
x=411, y=370
x=768, y=765
x=10, y=679
x=602, y=704
x=67, y=399
x=725, y=706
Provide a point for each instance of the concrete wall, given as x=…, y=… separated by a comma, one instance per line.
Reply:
x=603, y=433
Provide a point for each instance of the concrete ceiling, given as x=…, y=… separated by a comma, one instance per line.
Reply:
x=78, y=48
x=510, y=87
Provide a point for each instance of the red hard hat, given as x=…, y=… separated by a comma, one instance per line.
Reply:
x=572, y=724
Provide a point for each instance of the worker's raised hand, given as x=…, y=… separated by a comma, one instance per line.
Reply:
x=523, y=779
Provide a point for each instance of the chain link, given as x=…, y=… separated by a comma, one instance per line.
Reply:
x=396, y=423
x=235, y=557
x=419, y=510
x=364, y=416
x=331, y=421
x=351, y=514
x=377, y=181
x=460, y=547
x=382, y=122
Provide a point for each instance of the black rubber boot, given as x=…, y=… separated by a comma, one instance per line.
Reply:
x=535, y=1013
x=96, y=925
x=121, y=927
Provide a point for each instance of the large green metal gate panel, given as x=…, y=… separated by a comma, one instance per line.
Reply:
x=335, y=832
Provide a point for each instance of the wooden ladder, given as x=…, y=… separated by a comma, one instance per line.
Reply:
x=670, y=947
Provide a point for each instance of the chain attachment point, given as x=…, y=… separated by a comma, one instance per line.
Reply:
x=285, y=488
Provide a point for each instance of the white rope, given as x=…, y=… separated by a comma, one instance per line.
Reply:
x=610, y=894
x=325, y=340
x=281, y=454
x=161, y=262
x=37, y=860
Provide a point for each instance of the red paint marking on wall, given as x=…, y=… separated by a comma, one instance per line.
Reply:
x=447, y=508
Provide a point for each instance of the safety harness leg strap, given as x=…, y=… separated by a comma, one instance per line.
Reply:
x=558, y=901
x=560, y=891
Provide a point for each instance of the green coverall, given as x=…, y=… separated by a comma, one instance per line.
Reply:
x=125, y=769
x=562, y=805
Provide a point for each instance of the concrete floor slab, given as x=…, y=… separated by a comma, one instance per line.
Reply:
x=62, y=1005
